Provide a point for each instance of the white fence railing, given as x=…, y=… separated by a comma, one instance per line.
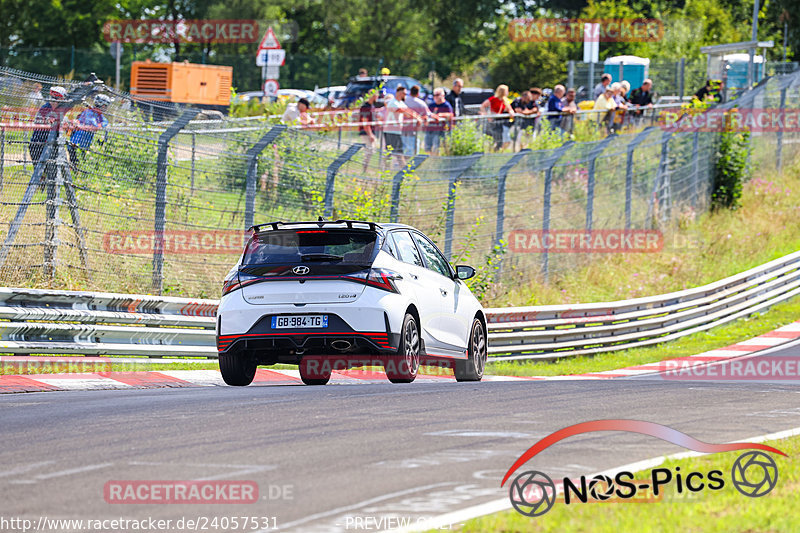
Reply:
x=65, y=322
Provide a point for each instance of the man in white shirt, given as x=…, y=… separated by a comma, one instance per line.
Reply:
x=396, y=110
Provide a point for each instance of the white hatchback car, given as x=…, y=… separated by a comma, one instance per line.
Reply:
x=333, y=294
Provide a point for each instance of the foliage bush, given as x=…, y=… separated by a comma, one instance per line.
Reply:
x=466, y=138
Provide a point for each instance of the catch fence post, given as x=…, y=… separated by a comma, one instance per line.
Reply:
x=250, y=181
x=629, y=172
x=397, y=183
x=333, y=168
x=594, y=153
x=501, y=192
x=548, y=165
x=779, y=139
x=161, y=196
x=463, y=164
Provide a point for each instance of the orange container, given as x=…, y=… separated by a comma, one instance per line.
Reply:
x=183, y=83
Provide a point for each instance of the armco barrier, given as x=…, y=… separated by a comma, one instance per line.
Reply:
x=64, y=322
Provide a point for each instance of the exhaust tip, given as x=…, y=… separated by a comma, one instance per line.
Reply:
x=341, y=345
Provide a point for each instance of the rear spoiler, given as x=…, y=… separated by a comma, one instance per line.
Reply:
x=350, y=224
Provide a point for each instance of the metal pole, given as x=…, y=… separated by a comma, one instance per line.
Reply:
x=333, y=168
x=779, y=139
x=252, y=159
x=590, y=84
x=571, y=74
x=593, y=155
x=501, y=192
x=682, y=77
x=161, y=196
x=695, y=166
x=194, y=141
x=547, y=166
x=752, y=51
x=397, y=182
x=55, y=180
x=621, y=71
x=629, y=173
x=3, y=155
x=117, y=61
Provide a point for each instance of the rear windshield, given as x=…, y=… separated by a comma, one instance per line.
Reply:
x=346, y=247
x=360, y=87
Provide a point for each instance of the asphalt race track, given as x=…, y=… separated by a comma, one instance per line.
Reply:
x=340, y=458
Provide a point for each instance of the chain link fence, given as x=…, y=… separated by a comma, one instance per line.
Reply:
x=155, y=199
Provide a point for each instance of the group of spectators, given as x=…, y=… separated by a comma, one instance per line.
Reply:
x=617, y=104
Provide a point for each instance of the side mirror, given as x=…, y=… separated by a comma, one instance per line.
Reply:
x=464, y=272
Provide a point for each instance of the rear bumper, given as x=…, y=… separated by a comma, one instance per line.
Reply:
x=288, y=345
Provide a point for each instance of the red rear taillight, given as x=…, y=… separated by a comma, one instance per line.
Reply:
x=380, y=278
x=238, y=281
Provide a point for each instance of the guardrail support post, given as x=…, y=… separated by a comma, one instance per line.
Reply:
x=161, y=195
x=501, y=190
x=455, y=175
x=252, y=159
x=397, y=182
x=333, y=168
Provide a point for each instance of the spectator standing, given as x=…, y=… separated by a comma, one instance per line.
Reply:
x=454, y=97
x=600, y=88
x=642, y=97
x=419, y=107
x=367, y=116
x=441, y=118
x=555, y=106
x=499, y=127
x=89, y=121
x=298, y=113
x=362, y=73
x=51, y=113
x=622, y=105
x=525, y=109
x=569, y=106
x=606, y=105
x=712, y=90
x=396, y=110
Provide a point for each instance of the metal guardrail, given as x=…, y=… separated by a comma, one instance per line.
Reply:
x=65, y=322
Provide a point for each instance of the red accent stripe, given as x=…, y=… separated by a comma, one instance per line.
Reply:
x=351, y=333
x=747, y=347
x=147, y=380
x=23, y=384
x=782, y=334
x=270, y=376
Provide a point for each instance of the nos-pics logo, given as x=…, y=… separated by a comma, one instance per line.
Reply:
x=533, y=493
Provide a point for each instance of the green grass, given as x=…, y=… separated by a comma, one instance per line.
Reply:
x=725, y=510
x=736, y=331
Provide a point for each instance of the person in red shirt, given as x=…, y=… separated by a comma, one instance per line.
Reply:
x=499, y=127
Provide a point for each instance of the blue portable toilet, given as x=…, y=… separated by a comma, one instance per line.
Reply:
x=737, y=69
x=634, y=69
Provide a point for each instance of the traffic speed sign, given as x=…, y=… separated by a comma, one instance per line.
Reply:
x=271, y=87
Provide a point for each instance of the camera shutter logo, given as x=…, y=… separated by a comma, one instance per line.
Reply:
x=754, y=474
x=532, y=493
x=301, y=270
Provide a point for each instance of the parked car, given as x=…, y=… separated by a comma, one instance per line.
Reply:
x=316, y=294
x=475, y=95
x=292, y=95
x=359, y=86
x=331, y=93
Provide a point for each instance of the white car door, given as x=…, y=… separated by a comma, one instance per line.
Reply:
x=448, y=326
x=415, y=280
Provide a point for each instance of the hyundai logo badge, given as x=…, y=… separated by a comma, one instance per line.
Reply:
x=301, y=270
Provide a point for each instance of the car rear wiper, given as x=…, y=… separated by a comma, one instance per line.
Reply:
x=321, y=257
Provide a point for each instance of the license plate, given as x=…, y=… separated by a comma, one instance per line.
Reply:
x=300, y=321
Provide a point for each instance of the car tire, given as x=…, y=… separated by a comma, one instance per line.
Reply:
x=403, y=367
x=472, y=369
x=237, y=369
x=312, y=374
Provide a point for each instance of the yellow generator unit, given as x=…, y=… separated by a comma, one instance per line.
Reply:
x=207, y=86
